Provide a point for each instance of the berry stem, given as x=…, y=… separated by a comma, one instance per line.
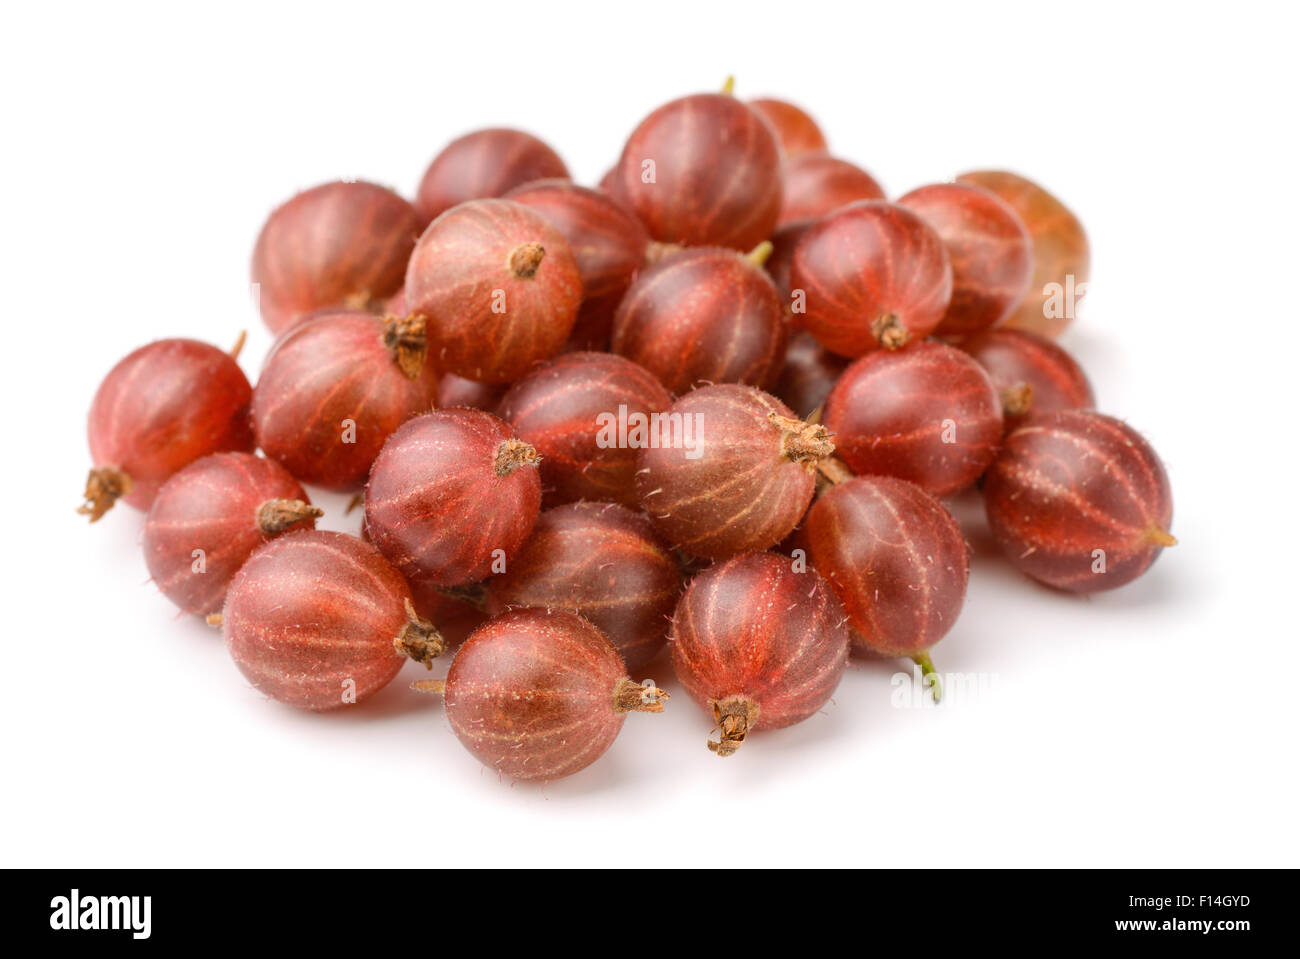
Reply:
x=835, y=470
x=759, y=254
x=436, y=686
x=512, y=454
x=802, y=442
x=1017, y=399
x=215, y=619
x=928, y=672
x=239, y=345
x=729, y=87
x=889, y=331
x=419, y=639
x=735, y=717
x=277, y=515
x=103, y=487
x=631, y=697
x=525, y=259
x=1161, y=537
x=404, y=336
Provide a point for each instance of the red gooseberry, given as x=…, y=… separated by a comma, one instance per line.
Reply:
x=210, y=516
x=729, y=469
x=159, y=409
x=334, y=387
x=896, y=559
x=992, y=259
x=872, y=275
x=808, y=376
x=499, y=286
x=781, y=259
x=608, y=242
x=485, y=163
x=1031, y=373
x=1061, y=254
x=451, y=493
x=816, y=184
x=927, y=413
x=796, y=131
x=571, y=411
x=1079, y=500
x=539, y=694
x=704, y=315
x=320, y=620
x=604, y=562
x=342, y=244
x=455, y=390
x=704, y=170
x=758, y=645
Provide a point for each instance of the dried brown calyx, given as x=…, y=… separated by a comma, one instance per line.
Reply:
x=405, y=338
x=104, y=486
x=513, y=454
x=276, y=515
x=630, y=697
x=1017, y=399
x=525, y=259
x=735, y=716
x=801, y=441
x=890, y=332
x=419, y=639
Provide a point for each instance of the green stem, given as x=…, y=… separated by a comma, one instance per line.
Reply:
x=929, y=672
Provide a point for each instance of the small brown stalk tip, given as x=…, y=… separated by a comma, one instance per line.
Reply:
x=405, y=338
x=735, y=717
x=436, y=686
x=802, y=442
x=630, y=697
x=759, y=254
x=215, y=619
x=514, y=454
x=357, y=500
x=525, y=259
x=889, y=331
x=474, y=594
x=1017, y=399
x=103, y=488
x=419, y=639
x=1161, y=537
x=277, y=515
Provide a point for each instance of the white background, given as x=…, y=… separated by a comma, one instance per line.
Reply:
x=1154, y=725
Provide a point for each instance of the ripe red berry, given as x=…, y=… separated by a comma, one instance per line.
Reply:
x=1061, y=254
x=873, y=274
x=210, y=516
x=571, y=410
x=1079, y=500
x=485, y=163
x=159, y=409
x=539, y=694
x=335, y=387
x=451, y=493
x=704, y=315
x=895, y=558
x=608, y=242
x=808, y=376
x=455, y=390
x=781, y=260
x=319, y=620
x=704, y=170
x=989, y=248
x=730, y=470
x=337, y=245
x=796, y=131
x=928, y=413
x=758, y=645
x=605, y=563
x=499, y=286
x=1032, y=374
x=816, y=184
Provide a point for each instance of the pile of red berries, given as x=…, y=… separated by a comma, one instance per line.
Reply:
x=712, y=404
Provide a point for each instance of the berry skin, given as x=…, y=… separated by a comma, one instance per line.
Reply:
x=796, y=131
x=485, y=163
x=1031, y=373
x=758, y=645
x=816, y=185
x=539, y=694
x=1079, y=500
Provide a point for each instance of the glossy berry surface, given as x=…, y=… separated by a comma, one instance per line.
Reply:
x=703, y=315
x=732, y=471
x=1032, y=374
x=337, y=245
x=605, y=563
x=816, y=184
x=704, y=170
x=781, y=260
x=928, y=413
x=455, y=390
x=485, y=163
x=579, y=412
x=210, y=516
x=447, y=491
x=1061, y=253
x=499, y=287
x=334, y=388
x=539, y=694
x=319, y=620
x=1079, y=500
x=608, y=242
x=896, y=559
x=796, y=131
x=989, y=248
x=758, y=645
x=808, y=376
x=874, y=275
x=159, y=409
